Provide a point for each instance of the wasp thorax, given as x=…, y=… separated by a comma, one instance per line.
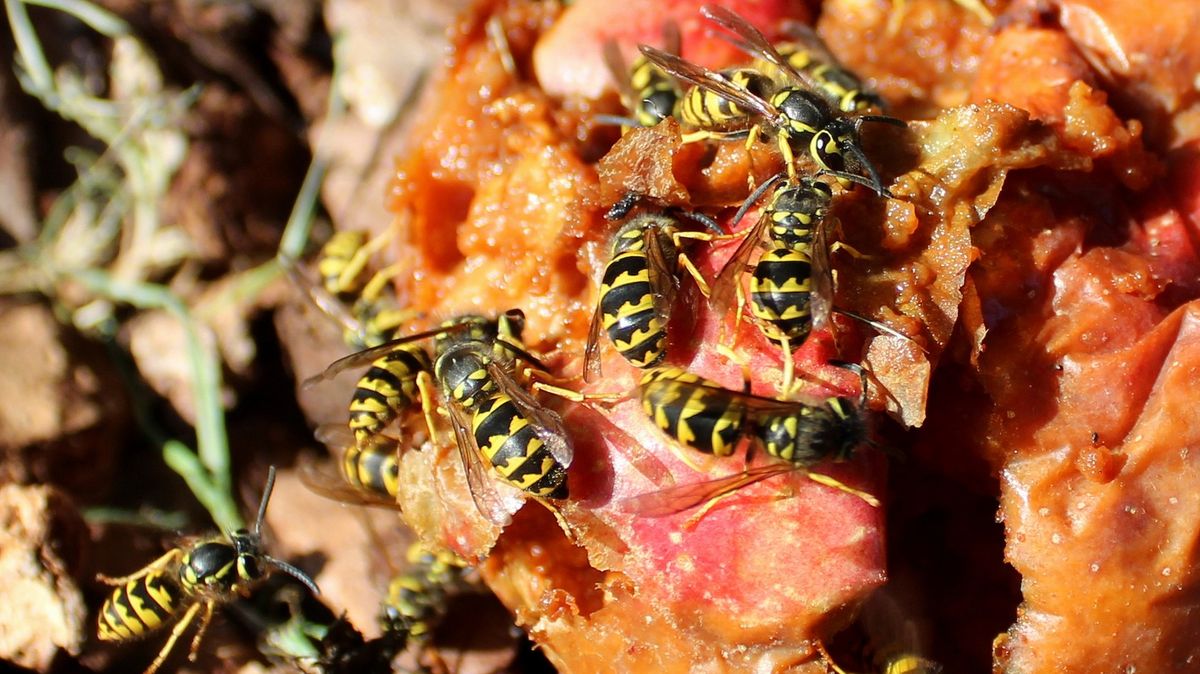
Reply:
x=210, y=564
x=804, y=112
x=462, y=371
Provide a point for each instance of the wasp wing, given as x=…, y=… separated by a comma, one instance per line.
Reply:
x=325, y=482
x=321, y=298
x=366, y=356
x=724, y=288
x=591, y=353
x=620, y=73
x=546, y=422
x=754, y=43
x=754, y=404
x=664, y=283
x=707, y=79
x=479, y=483
x=821, y=297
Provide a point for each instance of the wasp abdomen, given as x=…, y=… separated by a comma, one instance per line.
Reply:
x=700, y=418
x=630, y=314
x=516, y=451
x=387, y=388
x=140, y=606
x=780, y=292
x=372, y=468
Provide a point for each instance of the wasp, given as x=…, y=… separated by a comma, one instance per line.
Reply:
x=791, y=288
x=639, y=284
x=807, y=53
x=417, y=598
x=493, y=417
x=356, y=300
x=648, y=93
x=705, y=416
x=194, y=580
x=800, y=115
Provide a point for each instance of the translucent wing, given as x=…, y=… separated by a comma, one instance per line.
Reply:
x=367, y=356
x=683, y=497
x=323, y=480
x=707, y=79
x=821, y=296
x=804, y=35
x=724, y=288
x=321, y=298
x=663, y=281
x=479, y=483
x=546, y=422
x=591, y=353
x=619, y=71
x=753, y=42
x=752, y=403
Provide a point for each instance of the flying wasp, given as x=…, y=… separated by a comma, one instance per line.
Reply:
x=639, y=284
x=802, y=118
x=194, y=579
x=648, y=93
x=708, y=417
x=494, y=418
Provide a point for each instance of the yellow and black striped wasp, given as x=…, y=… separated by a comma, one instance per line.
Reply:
x=494, y=418
x=359, y=302
x=393, y=383
x=640, y=283
x=800, y=115
x=416, y=599
x=806, y=52
x=791, y=288
x=707, y=417
x=192, y=579
x=648, y=94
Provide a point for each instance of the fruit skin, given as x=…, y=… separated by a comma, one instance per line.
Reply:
x=568, y=59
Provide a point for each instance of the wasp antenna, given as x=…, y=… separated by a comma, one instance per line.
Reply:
x=266, y=497
x=294, y=573
x=862, y=378
x=882, y=119
x=705, y=221
x=615, y=120
x=621, y=208
x=876, y=183
x=754, y=197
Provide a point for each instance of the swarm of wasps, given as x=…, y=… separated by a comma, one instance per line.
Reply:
x=476, y=372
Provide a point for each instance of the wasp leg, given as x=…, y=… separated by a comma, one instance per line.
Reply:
x=830, y=664
x=359, y=262
x=850, y=250
x=170, y=556
x=498, y=39
x=375, y=287
x=834, y=483
x=789, y=367
x=558, y=516
x=704, y=134
x=577, y=397
x=204, y=622
x=176, y=631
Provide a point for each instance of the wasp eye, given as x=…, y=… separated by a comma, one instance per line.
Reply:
x=248, y=567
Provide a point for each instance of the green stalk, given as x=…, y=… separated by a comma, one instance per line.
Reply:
x=207, y=471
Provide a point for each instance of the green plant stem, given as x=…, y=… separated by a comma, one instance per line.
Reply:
x=98, y=19
x=207, y=472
